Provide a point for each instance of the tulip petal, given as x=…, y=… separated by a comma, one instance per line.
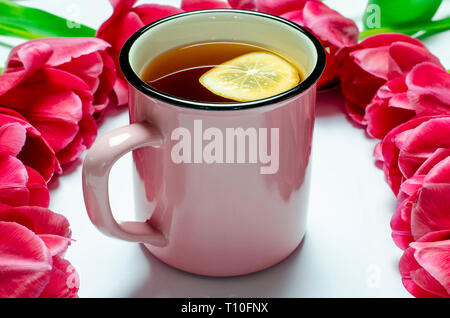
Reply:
x=429, y=280
x=278, y=7
x=422, y=142
x=437, y=156
x=152, y=12
x=24, y=61
x=121, y=91
x=127, y=24
x=37, y=187
x=64, y=281
x=430, y=212
x=12, y=138
x=428, y=79
x=329, y=25
x=25, y=262
x=57, y=245
x=407, y=266
x=434, y=257
x=377, y=59
x=105, y=95
x=386, y=39
x=388, y=108
x=34, y=144
x=390, y=150
x=374, y=61
x=87, y=67
x=295, y=16
x=357, y=85
x=189, y=5
x=355, y=112
x=406, y=56
x=401, y=223
x=37, y=219
x=13, y=179
x=243, y=4
x=396, y=101
x=63, y=50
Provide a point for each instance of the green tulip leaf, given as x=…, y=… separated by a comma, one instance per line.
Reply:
x=419, y=31
x=30, y=23
x=17, y=31
x=397, y=13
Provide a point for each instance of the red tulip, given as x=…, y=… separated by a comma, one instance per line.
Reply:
x=425, y=266
x=32, y=243
x=124, y=21
x=189, y=5
x=59, y=85
x=19, y=139
x=371, y=63
x=425, y=90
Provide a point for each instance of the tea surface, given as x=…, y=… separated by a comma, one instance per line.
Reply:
x=177, y=72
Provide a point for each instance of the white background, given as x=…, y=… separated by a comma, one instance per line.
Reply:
x=347, y=251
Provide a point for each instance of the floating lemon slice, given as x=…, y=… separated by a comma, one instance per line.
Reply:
x=251, y=76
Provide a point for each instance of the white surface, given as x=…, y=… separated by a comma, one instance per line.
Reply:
x=347, y=251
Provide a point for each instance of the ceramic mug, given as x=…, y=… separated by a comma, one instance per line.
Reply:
x=219, y=216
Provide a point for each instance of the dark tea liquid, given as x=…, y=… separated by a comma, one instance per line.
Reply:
x=177, y=71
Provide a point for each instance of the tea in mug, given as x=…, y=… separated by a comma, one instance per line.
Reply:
x=221, y=72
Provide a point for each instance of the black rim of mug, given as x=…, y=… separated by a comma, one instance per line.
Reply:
x=139, y=84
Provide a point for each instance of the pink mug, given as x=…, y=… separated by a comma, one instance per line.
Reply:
x=232, y=211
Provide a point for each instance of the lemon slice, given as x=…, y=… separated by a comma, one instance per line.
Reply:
x=251, y=76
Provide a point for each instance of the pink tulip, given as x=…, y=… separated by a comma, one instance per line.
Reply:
x=276, y=7
x=424, y=201
x=85, y=58
x=20, y=245
x=376, y=60
x=124, y=21
x=243, y=4
x=21, y=185
x=59, y=85
x=425, y=90
x=407, y=147
x=425, y=266
x=33, y=241
x=333, y=30
x=189, y=5
x=19, y=139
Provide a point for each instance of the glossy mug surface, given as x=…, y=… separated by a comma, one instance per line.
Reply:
x=212, y=217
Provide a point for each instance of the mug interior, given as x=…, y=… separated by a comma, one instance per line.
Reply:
x=286, y=38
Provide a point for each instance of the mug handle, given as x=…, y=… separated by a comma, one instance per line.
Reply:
x=96, y=168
